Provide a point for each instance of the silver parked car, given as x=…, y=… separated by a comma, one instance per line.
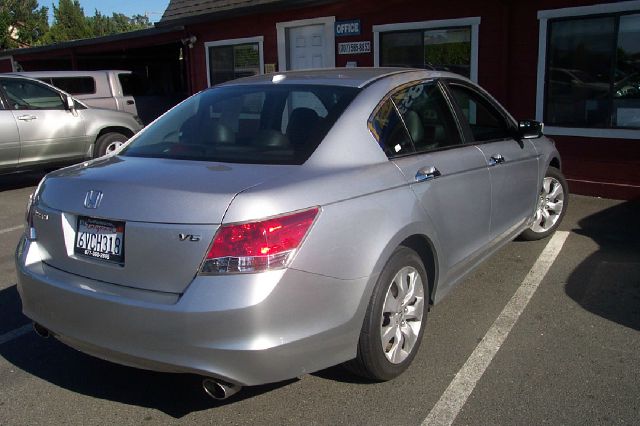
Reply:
x=43, y=127
x=280, y=224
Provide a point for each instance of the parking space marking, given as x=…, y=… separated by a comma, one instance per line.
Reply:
x=14, y=334
x=15, y=228
x=454, y=397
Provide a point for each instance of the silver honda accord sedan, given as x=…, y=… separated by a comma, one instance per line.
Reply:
x=281, y=224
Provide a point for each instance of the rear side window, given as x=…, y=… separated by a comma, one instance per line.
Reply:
x=246, y=124
x=427, y=116
x=415, y=118
x=387, y=127
x=75, y=85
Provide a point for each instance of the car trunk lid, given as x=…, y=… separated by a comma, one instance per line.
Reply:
x=169, y=211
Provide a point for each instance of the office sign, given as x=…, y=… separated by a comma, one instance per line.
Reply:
x=348, y=28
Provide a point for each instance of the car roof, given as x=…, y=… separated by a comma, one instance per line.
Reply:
x=64, y=73
x=350, y=77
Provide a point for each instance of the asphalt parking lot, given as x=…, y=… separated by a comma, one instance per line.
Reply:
x=570, y=356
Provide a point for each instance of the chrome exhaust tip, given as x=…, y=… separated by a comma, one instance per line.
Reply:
x=218, y=389
x=40, y=330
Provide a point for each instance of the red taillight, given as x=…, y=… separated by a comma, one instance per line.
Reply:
x=258, y=246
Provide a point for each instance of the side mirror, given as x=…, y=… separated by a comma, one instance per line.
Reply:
x=530, y=129
x=69, y=103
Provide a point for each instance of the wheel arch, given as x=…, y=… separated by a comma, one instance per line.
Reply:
x=114, y=129
x=423, y=245
x=110, y=129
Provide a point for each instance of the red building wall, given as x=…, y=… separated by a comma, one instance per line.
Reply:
x=6, y=65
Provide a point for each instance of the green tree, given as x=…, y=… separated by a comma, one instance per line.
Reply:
x=101, y=25
x=22, y=23
x=69, y=23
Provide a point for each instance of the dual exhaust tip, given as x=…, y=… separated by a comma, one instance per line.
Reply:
x=216, y=389
x=219, y=390
x=40, y=330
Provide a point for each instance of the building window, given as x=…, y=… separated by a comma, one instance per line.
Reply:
x=588, y=81
x=593, y=72
x=450, y=45
x=446, y=49
x=231, y=59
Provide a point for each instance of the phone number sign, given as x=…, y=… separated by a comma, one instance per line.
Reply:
x=354, y=48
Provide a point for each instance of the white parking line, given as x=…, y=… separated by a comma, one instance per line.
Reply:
x=454, y=397
x=14, y=334
x=15, y=228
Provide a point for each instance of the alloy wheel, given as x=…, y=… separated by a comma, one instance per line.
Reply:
x=402, y=313
x=550, y=205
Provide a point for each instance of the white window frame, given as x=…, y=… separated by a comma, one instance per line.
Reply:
x=329, y=34
x=576, y=12
x=233, y=42
x=473, y=22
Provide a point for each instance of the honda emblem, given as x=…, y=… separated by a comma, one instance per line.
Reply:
x=92, y=199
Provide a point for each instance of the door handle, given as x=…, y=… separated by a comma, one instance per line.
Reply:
x=496, y=159
x=130, y=102
x=26, y=117
x=427, y=173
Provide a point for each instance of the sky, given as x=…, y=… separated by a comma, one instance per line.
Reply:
x=152, y=8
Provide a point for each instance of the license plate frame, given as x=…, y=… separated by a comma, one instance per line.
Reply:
x=100, y=239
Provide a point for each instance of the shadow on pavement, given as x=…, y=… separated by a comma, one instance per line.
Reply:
x=11, y=310
x=174, y=394
x=607, y=283
x=20, y=180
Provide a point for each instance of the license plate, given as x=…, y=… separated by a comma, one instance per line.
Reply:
x=100, y=239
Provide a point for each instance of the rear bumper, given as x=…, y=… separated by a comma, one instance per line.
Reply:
x=246, y=329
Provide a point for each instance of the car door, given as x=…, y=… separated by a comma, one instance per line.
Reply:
x=512, y=163
x=9, y=139
x=48, y=131
x=419, y=133
x=132, y=87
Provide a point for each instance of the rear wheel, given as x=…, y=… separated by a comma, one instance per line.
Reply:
x=395, y=319
x=552, y=205
x=108, y=143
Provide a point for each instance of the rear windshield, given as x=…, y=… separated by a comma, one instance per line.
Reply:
x=279, y=124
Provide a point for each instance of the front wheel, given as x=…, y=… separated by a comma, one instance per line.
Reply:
x=395, y=319
x=108, y=143
x=552, y=205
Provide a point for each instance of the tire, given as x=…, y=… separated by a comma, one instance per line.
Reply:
x=108, y=143
x=552, y=205
x=401, y=319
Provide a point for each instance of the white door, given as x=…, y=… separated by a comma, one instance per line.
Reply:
x=307, y=47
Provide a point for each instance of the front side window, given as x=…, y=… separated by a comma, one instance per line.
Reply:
x=592, y=72
x=134, y=85
x=25, y=94
x=246, y=124
x=228, y=62
x=447, y=49
x=485, y=121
